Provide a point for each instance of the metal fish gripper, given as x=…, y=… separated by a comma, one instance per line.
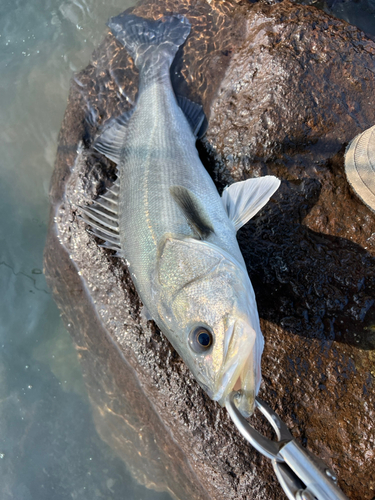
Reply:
x=302, y=475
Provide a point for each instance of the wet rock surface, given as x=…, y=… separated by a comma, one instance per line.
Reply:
x=285, y=88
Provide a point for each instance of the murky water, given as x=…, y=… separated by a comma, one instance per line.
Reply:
x=48, y=444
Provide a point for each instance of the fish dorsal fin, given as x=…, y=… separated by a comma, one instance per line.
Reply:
x=102, y=217
x=195, y=116
x=193, y=210
x=242, y=200
x=182, y=261
x=111, y=139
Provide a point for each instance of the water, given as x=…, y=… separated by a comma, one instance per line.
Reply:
x=361, y=13
x=49, y=448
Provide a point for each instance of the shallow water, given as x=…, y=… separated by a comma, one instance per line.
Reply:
x=49, y=447
x=48, y=444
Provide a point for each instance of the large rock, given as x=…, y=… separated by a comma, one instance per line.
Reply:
x=285, y=88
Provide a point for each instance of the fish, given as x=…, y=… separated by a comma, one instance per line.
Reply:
x=165, y=216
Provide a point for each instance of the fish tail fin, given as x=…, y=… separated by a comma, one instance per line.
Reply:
x=150, y=41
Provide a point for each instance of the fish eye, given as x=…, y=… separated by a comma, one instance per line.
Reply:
x=201, y=339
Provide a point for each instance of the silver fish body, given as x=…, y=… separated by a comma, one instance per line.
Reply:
x=178, y=235
x=159, y=154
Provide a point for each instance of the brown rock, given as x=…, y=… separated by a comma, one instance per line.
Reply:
x=285, y=88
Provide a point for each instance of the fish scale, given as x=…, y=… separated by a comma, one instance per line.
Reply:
x=177, y=234
x=166, y=159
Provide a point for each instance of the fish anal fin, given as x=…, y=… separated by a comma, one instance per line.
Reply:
x=192, y=210
x=242, y=200
x=102, y=217
x=195, y=116
x=111, y=139
x=145, y=313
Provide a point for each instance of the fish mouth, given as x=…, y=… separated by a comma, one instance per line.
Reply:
x=241, y=367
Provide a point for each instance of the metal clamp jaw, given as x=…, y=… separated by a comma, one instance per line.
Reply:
x=301, y=475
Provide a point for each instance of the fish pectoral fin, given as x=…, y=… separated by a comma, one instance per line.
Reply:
x=195, y=116
x=242, y=200
x=192, y=210
x=102, y=217
x=111, y=139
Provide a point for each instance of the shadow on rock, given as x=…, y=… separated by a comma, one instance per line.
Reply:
x=311, y=284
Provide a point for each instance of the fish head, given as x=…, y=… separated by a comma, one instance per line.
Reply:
x=208, y=311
